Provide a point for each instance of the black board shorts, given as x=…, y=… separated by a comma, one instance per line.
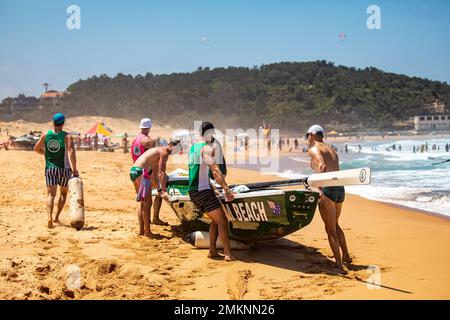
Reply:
x=205, y=200
x=335, y=194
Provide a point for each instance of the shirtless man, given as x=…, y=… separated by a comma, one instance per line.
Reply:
x=154, y=162
x=139, y=145
x=325, y=159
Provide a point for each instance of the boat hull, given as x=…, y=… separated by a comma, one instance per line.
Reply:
x=252, y=216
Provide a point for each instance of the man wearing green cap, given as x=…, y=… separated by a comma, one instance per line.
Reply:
x=60, y=163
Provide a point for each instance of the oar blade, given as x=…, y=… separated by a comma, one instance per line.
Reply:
x=360, y=176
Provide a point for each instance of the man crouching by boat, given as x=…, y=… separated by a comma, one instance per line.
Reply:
x=151, y=165
x=201, y=164
x=325, y=159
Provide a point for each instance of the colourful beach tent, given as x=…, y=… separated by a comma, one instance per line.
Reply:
x=99, y=128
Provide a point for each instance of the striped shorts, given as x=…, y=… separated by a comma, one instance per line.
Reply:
x=57, y=176
x=205, y=200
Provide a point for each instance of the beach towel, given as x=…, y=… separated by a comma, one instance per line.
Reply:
x=144, y=188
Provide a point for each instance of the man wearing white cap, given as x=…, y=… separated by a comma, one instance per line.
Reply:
x=142, y=143
x=325, y=159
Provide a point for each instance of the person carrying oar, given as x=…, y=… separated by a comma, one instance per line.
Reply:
x=325, y=159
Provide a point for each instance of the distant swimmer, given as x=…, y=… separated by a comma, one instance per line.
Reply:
x=60, y=163
x=325, y=159
x=151, y=165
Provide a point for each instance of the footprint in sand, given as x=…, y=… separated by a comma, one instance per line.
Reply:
x=237, y=284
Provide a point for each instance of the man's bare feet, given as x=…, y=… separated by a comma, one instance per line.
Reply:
x=215, y=256
x=50, y=224
x=159, y=222
x=347, y=259
x=341, y=268
x=229, y=258
x=57, y=221
x=152, y=236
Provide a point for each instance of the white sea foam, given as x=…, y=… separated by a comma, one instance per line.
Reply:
x=408, y=197
x=298, y=159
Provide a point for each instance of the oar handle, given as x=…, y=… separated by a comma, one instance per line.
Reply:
x=435, y=164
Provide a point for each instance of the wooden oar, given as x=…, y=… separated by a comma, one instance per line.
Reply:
x=435, y=164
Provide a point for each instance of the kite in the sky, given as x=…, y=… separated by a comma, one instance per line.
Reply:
x=205, y=40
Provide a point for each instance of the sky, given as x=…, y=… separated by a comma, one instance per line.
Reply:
x=137, y=36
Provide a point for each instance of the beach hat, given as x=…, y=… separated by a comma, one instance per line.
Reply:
x=315, y=129
x=146, y=123
x=58, y=119
x=206, y=126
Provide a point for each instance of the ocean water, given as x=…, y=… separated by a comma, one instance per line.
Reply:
x=398, y=176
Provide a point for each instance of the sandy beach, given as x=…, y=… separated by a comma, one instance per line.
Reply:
x=409, y=248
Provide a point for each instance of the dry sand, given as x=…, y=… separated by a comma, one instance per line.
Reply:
x=79, y=124
x=410, y=248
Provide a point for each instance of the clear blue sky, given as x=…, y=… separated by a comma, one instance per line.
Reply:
x=135, y=37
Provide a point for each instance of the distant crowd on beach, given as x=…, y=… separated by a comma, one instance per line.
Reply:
x=424, y=147
x=294, y=144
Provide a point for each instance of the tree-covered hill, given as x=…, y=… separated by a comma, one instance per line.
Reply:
x=286, y=95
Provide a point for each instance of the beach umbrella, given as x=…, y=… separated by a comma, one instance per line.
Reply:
x=332, y=133
x=99, y=128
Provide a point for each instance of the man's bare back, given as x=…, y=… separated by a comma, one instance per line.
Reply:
x=150, y=159
x=322, y=153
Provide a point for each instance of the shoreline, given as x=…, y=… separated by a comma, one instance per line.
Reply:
x=402, y=206
x=407, y=208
